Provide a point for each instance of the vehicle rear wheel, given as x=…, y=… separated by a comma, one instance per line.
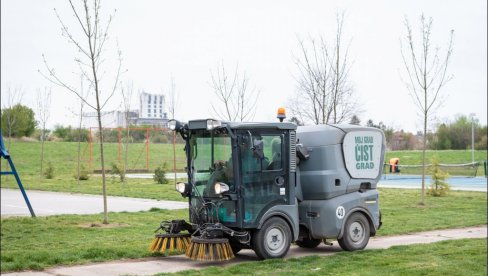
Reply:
x=356, y=233
x=273, y=239
x=308, y=242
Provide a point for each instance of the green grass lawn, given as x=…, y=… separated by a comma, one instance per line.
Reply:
x=444, y=157
x=38, y=243
x=457, y=257
x=401, y=212
x=63, y=156
x=414, y=157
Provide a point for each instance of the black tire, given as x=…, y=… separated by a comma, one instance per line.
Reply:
x=273, y=239
x=308, y=242
x=356, y=233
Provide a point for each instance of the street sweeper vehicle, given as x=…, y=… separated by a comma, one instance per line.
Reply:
x=264, y=186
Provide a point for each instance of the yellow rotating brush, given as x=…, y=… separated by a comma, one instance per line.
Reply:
x=167, y=242
x=209, y=249
x=172, y=239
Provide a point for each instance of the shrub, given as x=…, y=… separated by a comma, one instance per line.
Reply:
x=159, y=138
x=68, y=134
x=438, y=187
x=159, y=175
x=118, y=169
x=38, y=133
x=49, y=171
x=23, y=118
x=84, y=173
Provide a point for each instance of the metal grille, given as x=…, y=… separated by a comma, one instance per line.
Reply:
x=293, y=151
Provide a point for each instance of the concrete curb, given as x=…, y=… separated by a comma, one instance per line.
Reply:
x=150, y=266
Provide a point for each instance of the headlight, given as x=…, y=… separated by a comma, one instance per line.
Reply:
x=173, y=124
x=182, y=187
x=221, y=188
x=211, y=124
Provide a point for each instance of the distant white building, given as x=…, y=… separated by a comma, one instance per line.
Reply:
x=151, y=112
x=152, y=106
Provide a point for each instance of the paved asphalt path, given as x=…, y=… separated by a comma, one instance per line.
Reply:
x=150, y=266
x=51, y=203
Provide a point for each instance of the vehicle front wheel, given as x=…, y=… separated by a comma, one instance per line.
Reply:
x=273, y=239
x=356, y=233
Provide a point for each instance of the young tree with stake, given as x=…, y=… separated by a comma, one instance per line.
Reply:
x=90, y=46
x=426, y=75
x=43, y=112
x=127, y=99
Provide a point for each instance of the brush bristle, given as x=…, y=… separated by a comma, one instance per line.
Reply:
x=209, y=250
x=168, y=242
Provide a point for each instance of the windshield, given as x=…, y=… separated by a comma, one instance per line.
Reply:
x=211, y=161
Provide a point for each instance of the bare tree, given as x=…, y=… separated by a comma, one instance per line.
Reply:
x=239, y=101
x=325, y=94
x=355, y=120
x=172, y=106
x=427, y=74
x=313, y=83
x=84, y=94
x=14, y=97
x=127, y=92
x=43, y=113
x=172, y=99
x=90, y=45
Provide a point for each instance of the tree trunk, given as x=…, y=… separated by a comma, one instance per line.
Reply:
x=8, y=147
x=78, y=157
x=174, y=154
x=100, y=129
x=126, y=154
x=78, y=168
x=9, y=136
x=424, y=144
x=104, y=190
x=42, y=152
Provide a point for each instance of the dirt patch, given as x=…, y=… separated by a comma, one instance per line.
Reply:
x=101, y=225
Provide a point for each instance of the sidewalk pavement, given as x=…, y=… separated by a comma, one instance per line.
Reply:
x=150, y=266
x=54, y=203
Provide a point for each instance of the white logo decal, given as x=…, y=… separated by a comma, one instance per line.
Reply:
x=340, y=212
x=362, y=153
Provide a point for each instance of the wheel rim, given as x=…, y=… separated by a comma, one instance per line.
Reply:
x=275, y=240
x=356, y=232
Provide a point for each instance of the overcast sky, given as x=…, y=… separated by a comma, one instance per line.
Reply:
x=188, y=39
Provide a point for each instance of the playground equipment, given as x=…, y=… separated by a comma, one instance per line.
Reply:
x=5, y=155
x=265, y=185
